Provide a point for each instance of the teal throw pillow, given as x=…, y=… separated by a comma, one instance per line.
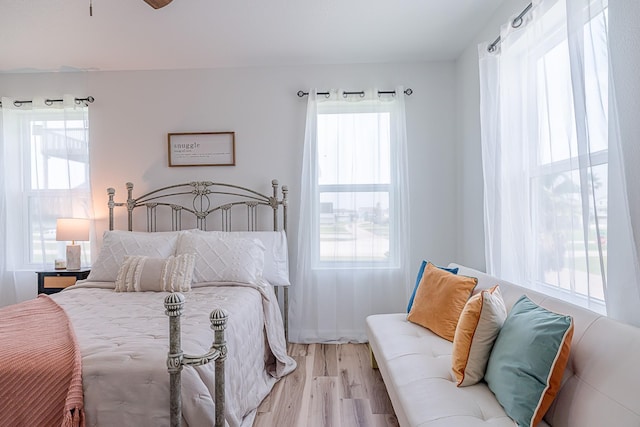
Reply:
x=528, y=359
x=420, y=273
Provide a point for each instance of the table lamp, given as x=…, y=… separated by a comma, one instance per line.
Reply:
x=72, y=229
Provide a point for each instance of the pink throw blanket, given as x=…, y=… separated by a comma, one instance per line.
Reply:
x=40, y=366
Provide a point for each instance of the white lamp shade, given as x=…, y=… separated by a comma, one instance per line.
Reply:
x=72, y=229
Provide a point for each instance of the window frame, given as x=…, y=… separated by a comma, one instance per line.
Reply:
x=393, y=262
x=28, y=227
x=538, y=170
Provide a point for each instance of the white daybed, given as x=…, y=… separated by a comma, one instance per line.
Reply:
x=599, y=387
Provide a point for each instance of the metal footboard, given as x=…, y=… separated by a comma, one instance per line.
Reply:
x=176, y=359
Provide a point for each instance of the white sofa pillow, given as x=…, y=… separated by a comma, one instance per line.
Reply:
x=223, y=258
x=276, y=254
x=117, y=244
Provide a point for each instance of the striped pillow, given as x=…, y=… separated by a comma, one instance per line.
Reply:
x=528, y=359
x=142, y=273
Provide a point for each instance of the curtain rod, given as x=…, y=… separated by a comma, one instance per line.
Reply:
x=88, y=100
x=408, y=91
x=515, y=24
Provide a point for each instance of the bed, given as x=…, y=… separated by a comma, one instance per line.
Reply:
x=228, y=280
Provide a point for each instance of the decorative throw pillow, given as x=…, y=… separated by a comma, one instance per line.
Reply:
x=528, y=359
x=223, y=259
x=420, y=273
x=276, y=255
x=141, y=273
x=477, y=330
x=440, y=298
x=117, y=244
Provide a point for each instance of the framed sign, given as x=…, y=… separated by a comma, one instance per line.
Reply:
x=202, y=149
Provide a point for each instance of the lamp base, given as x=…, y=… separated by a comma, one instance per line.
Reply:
x=73, y=257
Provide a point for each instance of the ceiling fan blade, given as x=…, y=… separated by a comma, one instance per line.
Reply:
x=157, y=4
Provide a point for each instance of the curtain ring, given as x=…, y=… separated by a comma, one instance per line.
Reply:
x=48, y=102
x=516, y=23
x=17, y=103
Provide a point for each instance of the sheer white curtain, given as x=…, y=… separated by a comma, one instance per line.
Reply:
x=44, y=160
x=354, y=219
x=551, y=174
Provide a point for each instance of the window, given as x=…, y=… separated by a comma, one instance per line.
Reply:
x=50, y=169
x=355, y=218
x=568, y=174
x=354, y=185
x=544, y=116
x=353, y=256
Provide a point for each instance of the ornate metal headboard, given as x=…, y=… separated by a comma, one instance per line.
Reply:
x=205, y=199
x=192, y=203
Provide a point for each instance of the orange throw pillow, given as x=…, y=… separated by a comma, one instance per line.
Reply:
x=478, y=328
x=439, y=300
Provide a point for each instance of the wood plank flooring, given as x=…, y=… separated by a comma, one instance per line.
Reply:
x=333, y=386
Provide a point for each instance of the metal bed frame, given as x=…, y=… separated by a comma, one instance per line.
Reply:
x=206, y=199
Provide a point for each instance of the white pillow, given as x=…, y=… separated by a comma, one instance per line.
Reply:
x=276, y=254
x=141, y=273
x=223, y=259
x=117, y=244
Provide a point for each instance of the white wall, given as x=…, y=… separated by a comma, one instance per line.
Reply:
x=623, y=295
x=134, y=111
x=624, y=33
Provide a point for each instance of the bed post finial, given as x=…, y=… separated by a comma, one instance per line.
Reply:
x=285, y=203
x=130, y=205
x=111, y=204
x=274, y=203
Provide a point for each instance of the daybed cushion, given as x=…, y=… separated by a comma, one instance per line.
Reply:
x=415, y=364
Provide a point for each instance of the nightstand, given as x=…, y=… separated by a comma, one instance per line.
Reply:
x=52, y=281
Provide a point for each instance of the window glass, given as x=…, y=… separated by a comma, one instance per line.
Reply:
x=354, y=185
x=56, y=180
x=568, y=178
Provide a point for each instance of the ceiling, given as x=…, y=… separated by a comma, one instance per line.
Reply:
x=59, y=35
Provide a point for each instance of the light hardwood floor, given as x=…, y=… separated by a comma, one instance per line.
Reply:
x=333, y=386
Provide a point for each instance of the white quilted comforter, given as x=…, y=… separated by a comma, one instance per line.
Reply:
x=124, y=341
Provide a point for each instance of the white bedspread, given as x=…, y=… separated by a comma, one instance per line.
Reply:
x=123, y=338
